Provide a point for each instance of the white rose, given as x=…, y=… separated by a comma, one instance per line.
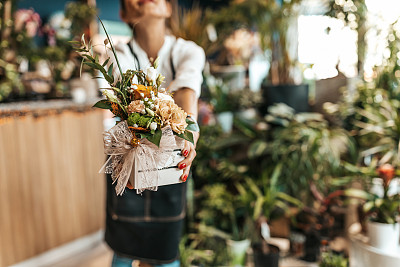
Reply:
x=151, y=74
x=153, y=126
x=165, y=97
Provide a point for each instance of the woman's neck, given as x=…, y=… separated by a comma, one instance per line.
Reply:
x=150, y=36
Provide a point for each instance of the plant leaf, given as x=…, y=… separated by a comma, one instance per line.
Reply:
x=192, y=126
x=103, y=104
x=154, y=138
x=110, y=70
x=105, y=62
x=187, y=135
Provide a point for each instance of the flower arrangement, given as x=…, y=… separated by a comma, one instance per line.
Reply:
x=147, y=114
x=138, y=98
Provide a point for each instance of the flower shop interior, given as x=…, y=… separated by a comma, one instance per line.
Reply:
x=298, y=156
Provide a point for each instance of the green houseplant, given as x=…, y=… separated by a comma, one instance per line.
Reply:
x=266, y=202
x=273, y=20
x=310, y=148
x=330, y=259
x=382, y=209
x=224, y=210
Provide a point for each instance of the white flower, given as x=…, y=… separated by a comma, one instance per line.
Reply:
x=146, y=99
x=161, y=90
x=153, y=126
x=151, y=74
x=110, y=95
x=135, y=126
x=162, y=97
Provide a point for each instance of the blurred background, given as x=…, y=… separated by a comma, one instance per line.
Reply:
x=299, y=113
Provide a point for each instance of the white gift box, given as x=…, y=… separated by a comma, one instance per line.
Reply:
x=168, y=174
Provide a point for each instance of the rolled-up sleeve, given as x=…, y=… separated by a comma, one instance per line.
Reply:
x=189, y=60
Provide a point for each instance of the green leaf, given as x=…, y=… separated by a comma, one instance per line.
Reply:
x=103, y=104
x=187, y=135
x=90, y=58
x=192, y=126
x=258, y=148
x=105, y=62
x=275, y=175
x=357, y=193
x=155, y=138
x=95, y=66
x=110, y=70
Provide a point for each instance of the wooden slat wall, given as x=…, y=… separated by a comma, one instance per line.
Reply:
x=50, y=189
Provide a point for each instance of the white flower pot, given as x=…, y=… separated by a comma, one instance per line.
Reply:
x=238, y=249
x=384, y=236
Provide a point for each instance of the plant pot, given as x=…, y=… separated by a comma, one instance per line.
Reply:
x=261, y=260
x=233, y=75
x=237, y=250
x=383, y=236
x=225, y=119
x=295, y=96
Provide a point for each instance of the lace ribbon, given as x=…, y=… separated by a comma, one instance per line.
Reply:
x=144, y=160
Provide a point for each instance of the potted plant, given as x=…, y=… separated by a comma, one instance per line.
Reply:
x=311, y=149
x=275, y=23
x=265, y=202
x=331, y=259
x=224, y=210
x=221, y=98
x=382, y=208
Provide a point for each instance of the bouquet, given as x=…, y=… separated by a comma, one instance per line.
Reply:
x=145, y=144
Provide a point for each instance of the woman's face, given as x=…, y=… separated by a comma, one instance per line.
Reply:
x=137, y=10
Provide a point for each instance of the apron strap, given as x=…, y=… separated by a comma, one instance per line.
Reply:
x=171, y=62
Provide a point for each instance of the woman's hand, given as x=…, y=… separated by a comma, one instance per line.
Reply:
x=189, y=152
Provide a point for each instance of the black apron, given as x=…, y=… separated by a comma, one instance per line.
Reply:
x=146, y=226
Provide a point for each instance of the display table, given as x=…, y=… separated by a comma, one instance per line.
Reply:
x=50, y=189
x=364, y=255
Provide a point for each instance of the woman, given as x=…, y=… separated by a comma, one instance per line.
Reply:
x=148, y=227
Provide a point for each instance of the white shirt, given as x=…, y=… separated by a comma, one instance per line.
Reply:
x=188, y=61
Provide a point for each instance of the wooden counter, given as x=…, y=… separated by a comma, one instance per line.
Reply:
x=50, y=189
